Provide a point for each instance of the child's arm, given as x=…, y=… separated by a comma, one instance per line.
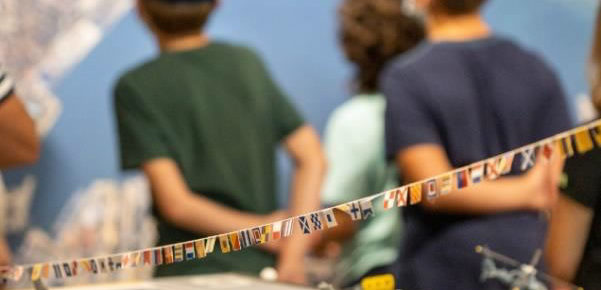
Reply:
x=20, y=143
x=310, y=166
x=568, y=232
x=535, y=190
x=196, y=213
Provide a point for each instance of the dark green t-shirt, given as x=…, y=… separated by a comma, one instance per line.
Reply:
x=218, y=114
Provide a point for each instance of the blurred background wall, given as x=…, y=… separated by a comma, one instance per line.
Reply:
x=298, y=41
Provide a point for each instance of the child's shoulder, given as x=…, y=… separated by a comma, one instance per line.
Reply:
x=236, y=49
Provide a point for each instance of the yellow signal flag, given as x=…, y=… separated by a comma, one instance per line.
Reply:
x=584, y=143
x=224, y=243
x=36, y=272
x=596, y=134
x=415, y=192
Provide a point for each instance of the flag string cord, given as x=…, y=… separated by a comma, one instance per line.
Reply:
x=14, y=272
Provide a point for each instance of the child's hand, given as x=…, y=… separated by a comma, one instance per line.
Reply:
x=543, y=182
x=293, y=272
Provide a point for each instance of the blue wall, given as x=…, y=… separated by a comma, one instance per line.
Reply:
x=297, y=40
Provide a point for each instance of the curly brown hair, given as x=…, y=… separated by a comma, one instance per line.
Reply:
x=372, y=32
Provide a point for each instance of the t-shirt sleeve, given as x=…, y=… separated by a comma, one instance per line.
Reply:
x=554, y=116
x=286, y=118
x=6, y=84
x=582, y=178
x=408, y=121
x=140, y=136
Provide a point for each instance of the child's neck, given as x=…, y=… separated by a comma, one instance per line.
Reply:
x=182, y=42
x=456, y=28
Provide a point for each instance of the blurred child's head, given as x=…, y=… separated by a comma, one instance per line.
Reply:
x=176, y=17
x=372, y=32
x=595, y=64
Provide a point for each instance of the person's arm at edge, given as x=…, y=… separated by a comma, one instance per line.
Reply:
x=309, y=168
x=534, y=190
x=192, y=212
x=566, y=240
x=20, y=142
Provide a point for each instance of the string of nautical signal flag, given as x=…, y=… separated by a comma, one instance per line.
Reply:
x=578, y=140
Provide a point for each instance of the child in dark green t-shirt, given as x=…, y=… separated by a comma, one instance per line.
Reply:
x=203, y=121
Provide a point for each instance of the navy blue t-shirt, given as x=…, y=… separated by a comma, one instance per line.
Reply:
x=476, y=99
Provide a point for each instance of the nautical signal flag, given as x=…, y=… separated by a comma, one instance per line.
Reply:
x=36, y=272
x=94, y=266
x=566, y=149
x=256, y=235
x=168, y=255
x=462, y=179
x=528, y=157
x=67, y=268
x=45, y=271
x=158, y=256
x=58, y=272
x=210, y=245
x=366, y=208
x=390, y=199
x=492, y=171
x=353, y=209
x=584, y=143
x=477, y=173
x=430, y=189
x=147, y=257
x=178, y=252
x=225, y=245
x=288, y=227
x=133, y=259
x=102, y=265
x=303, y=222
x=329, y=217
x=245, y=239
x=402, y=194
x=316, y=221
x=75, y=267
x=415, y=192
x=125, y=261
x=596, y=134
x=445, y=184
x=189, y=250
x=276, y=231
x=547, y=150
x=199, y=246
x=265, y=233
x=235, y=241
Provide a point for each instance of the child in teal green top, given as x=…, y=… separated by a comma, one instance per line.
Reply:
x=372, y=33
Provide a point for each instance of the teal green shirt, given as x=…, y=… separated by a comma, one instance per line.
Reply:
x=218, y=114
x=357, y=168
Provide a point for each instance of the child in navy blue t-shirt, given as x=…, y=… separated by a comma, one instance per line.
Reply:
x=461, y=97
